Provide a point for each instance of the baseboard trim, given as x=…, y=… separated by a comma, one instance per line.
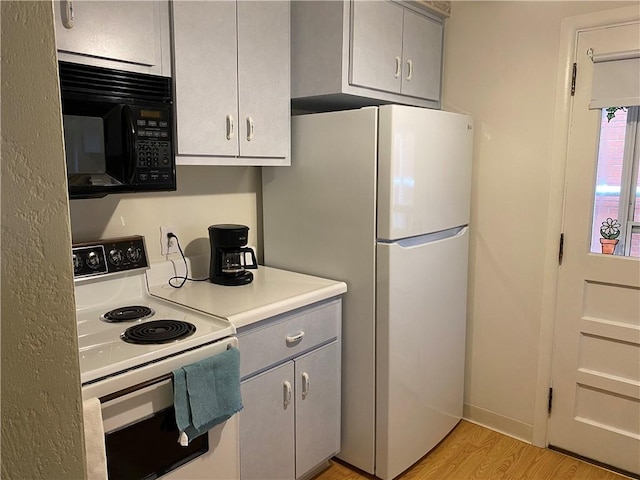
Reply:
x=494, y=421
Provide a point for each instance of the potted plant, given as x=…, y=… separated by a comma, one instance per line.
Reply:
x=610, y=231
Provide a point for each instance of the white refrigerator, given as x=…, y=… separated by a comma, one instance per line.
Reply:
x=379, y=198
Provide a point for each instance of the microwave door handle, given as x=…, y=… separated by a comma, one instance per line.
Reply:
x=129, y=140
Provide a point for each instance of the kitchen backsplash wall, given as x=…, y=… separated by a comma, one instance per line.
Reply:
x=205, y=196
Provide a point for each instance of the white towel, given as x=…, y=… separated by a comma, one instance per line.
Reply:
x=94, y=440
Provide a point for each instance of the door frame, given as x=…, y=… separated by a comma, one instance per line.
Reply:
x=569, y=29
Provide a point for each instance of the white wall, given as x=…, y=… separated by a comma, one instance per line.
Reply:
x=41, y=409
x=205, y=196
x=501, y=67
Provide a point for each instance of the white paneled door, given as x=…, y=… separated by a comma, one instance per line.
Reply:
x=596, y=359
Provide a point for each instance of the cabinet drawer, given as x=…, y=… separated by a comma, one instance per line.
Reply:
x=283, y=337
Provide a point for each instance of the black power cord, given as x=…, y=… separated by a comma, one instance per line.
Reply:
x=183, y=279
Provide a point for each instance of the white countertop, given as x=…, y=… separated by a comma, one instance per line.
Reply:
x=271, y=293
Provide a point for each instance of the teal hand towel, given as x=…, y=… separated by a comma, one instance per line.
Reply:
x=207, y=393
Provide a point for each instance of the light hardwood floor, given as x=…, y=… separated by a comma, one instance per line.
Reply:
x=474, y=452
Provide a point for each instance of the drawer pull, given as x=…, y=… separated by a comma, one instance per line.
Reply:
x=305, y=384
x=291, y=339
x=287, y=393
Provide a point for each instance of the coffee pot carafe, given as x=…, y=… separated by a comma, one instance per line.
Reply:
x=228, y=264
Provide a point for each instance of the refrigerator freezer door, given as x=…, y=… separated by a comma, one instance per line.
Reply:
x=421, y=312
x=424, y=171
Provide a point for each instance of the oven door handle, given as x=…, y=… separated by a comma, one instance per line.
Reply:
x=135, y=388
x=139, y=386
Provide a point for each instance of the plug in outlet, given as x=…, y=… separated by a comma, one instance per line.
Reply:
x=168, y=245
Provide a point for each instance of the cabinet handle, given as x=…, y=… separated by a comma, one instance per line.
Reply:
x=249, y=129
x=295, y=338
x=305, y=384
x=410, y=65
x=287, y=393
x=69, y=15
x=398, y=67
x=230, y=128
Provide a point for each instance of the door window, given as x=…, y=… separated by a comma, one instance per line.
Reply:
x=616, y=206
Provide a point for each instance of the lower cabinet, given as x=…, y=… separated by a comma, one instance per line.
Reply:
x=267, y=423
x=317, y=394
x=290, y=423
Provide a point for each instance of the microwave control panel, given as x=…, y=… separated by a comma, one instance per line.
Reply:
x=154, y=155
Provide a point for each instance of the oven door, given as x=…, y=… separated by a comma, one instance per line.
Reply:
x=140, y=433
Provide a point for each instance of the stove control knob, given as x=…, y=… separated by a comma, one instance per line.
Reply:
x=77, y=263
x=115, y=256
x=134, y=254
x=93, y=260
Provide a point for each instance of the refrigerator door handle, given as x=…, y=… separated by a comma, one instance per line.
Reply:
x=432, y=237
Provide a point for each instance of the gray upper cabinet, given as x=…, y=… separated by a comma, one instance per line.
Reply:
x=205, y=71
x=132, y=36
x=421, y=56
x=232, y=78
x=363, y=52
x=264, y=78
x=376, y=45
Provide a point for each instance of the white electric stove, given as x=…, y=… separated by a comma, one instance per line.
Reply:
x=120, y=326
x=130, y=343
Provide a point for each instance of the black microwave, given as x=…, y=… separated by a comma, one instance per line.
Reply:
x=118, y=131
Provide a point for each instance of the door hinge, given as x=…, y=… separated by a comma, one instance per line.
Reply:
x=573, y=79
x=561, y=249
x=550, y=404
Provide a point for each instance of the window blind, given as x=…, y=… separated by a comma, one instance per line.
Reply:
x=616, y=80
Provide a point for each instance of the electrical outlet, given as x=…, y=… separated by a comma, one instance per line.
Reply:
x=168, y=245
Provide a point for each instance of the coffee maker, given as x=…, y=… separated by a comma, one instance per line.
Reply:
x=228, y=264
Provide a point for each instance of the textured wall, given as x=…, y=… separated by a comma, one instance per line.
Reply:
x=501, y=67
x=41, y=409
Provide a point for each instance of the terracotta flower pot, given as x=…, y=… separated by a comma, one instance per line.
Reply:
x=608, y=246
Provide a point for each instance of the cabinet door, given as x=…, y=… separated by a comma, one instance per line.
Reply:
x=267, y=425
x=264, y=78
x=205, y=73
x=317, y=407
x=123, y=31
x=376, y=45
x=422, y=56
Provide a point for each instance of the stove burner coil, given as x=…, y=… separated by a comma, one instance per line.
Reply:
x=127, y=314
x=158, y=331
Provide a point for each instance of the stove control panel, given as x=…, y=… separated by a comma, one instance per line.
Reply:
x=109, y=256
